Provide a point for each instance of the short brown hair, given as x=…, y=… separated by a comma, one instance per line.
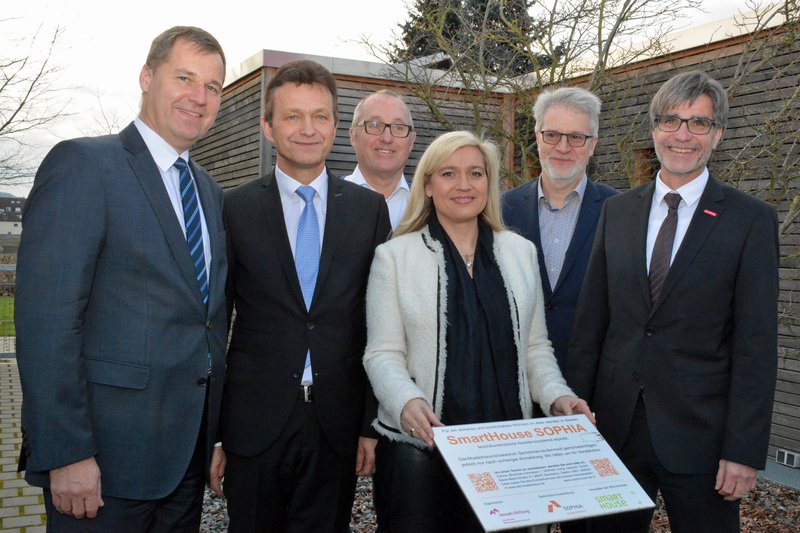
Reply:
x=162, y=45
x=300, y=72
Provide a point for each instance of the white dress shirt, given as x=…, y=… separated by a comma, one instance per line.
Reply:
x=293, y=206
x=165, y=156
x=396, y=202
x=690, y=197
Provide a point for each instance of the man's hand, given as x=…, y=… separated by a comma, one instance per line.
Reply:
x=76, y=489
x=365, y=458
x=216, y=471
x=417, y=419
x=570, y=405
x=734, y=480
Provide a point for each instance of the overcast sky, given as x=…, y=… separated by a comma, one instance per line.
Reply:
x=104, y=43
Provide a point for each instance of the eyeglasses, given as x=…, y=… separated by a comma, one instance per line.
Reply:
x=373, y=127
x=696, y=125
x=576, y=140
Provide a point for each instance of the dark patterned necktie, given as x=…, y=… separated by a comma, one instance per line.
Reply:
x=191, y=219
x=662, y=249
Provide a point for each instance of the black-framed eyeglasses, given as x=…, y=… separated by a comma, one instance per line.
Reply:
x=373, y=127
x=576, y=140
x=696, y=125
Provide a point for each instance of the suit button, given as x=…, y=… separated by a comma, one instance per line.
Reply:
x=209, y=326
x=296, y=375
x=310, y=325
x=549, y=307
x=202, y=382
x=649, y=332
x=635, y=376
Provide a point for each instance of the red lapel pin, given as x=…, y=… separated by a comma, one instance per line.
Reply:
x=707, y=212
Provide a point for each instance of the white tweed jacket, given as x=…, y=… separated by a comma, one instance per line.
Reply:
x=405, y=357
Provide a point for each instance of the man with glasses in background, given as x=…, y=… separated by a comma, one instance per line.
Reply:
x=383, y=135
x=677, y=347
x=559, y=211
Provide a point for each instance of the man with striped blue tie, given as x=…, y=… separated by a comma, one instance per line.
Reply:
x=120, y=309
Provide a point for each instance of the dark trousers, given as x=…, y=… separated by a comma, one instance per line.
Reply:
x=691, y=502
x=294, y=486
x=178, y=512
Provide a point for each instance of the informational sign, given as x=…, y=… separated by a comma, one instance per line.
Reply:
x=526, y=472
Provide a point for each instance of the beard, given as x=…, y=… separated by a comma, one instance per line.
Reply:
x=565, y=176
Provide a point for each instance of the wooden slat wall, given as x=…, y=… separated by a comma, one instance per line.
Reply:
x=625, y=125
x=230, y=151
x=233, y=149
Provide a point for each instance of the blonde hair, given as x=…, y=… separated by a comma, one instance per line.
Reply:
x=420, y=206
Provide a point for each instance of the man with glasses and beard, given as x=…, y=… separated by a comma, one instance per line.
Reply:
x=559, y=211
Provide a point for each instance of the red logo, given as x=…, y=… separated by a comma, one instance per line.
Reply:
x=553, y=504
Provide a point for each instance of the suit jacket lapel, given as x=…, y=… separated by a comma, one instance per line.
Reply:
x=531, y=220
x=640, y=217
x=333, y=224
x=276, y=227
x=146, y=171
x=699, y=228
x=584, y=228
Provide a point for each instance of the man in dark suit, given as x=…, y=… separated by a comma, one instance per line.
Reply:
x=120, y=308
x=559, y=211
x=294, y=422
x=677, y=347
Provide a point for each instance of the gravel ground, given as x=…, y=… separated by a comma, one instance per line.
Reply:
x=770, y=508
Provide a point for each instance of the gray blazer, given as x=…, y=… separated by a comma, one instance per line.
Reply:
x=113, y=338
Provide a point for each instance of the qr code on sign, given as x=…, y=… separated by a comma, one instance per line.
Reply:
x=483, y=482
x=604, y=467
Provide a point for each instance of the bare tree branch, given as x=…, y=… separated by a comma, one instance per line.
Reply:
x=29, y=98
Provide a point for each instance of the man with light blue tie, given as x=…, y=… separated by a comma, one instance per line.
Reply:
x=120, y=314
x=297, y=408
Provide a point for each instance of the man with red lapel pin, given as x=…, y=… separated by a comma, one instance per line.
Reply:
x=677, y=347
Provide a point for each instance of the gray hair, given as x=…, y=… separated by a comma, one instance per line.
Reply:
x=576, y=98
x=358, y=113
x=689, y=86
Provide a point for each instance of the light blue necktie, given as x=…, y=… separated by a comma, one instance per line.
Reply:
x=306, y=253
x=191, y=219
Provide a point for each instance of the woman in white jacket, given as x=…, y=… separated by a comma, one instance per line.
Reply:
x=456, y=332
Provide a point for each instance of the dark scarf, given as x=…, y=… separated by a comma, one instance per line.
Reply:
x=481, y=377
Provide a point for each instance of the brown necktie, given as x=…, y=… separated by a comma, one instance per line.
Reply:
x=662, y=249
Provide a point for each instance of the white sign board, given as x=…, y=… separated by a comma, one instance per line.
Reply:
x=537, y=471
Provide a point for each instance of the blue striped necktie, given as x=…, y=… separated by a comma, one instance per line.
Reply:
x=194, y=232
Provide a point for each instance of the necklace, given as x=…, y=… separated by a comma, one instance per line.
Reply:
x=468, y=260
